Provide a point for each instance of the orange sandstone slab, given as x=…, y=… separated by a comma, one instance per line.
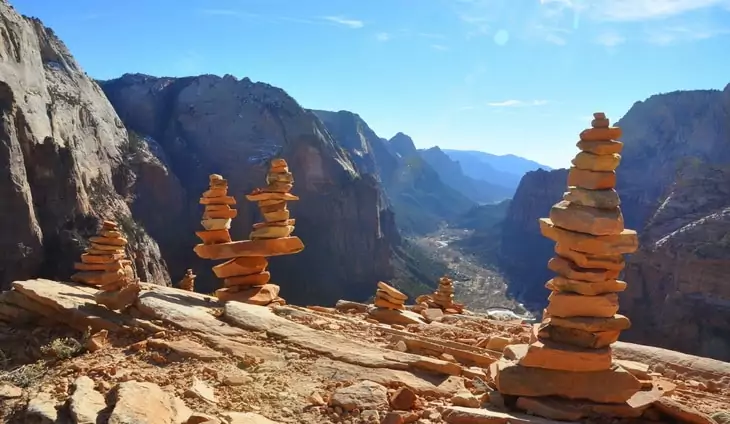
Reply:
x=583, y=219
x=112, y=266
x=586, y=288
x=222, y=200
x=97, y=278
x=210, y=208
x=392, y=291
x=271, y=232
x=578, y=338
x=384, y=303
x=600, y=134
x=110, y=234
x=602, y=199
x=384, y=295
x=575, y=305
x=279, y=206
x=278, y=187
x=614, y=385
x=106, y=247
x=586, y=260
x=262, y=196
x=600, y=123
x=284, y=223
x=278, y=163
x=100, y=259
x=591, y=180
x=626, y=242
x=276, y=216
x=267, y=247
x=601, y=147
x=614, y=323
x=214, y=236
x=261, y=296
x=248, y=280
x=241, y=266
x=592, y=162
x=556, y=356
x=567, y=269
x=220, y=214
x=215, y=192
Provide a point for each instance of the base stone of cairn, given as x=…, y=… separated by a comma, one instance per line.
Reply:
x=245, y=276
x=442, y=298
x=570, y=352
x=105, y=265
x=188, y=281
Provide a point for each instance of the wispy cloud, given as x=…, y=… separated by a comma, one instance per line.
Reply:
x=350, y=23
x=610, y=39
x=670, y=35
x=382, y=36
x=518, y=103
x=439, y=47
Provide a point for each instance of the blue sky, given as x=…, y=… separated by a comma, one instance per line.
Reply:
x=502, y=76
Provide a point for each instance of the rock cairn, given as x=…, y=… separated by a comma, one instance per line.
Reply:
x=569, y=354
x=389, y=297
x=245, y=276
x=105, y=265
x=442, y=298
x=188, y=281
x=218, y=212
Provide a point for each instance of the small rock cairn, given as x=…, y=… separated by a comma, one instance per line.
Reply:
x=188, y=281
x=442, y=298
x=105, y=265
x=245, y=278
x=569, y=354
x=389, y=297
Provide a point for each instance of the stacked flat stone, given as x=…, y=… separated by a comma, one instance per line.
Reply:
x=570, y=354
x=105, y=264
x=218, y=212
x=245, y=276
x=188, y=281
x=389, y=297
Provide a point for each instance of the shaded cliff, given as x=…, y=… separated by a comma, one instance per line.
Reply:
x=673, y=186
x=524, y=253
x=62, y=149
x=420, y=198
x=209, y=124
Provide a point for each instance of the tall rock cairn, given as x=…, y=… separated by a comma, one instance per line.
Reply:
x=570, y=353
x=105, y=265
x=245, y=276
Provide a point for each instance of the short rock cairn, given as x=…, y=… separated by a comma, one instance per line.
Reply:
x=105, y=265
x=188, y=281
x=389, y=297
x=245, y=278
x=442, y=298
x=570, y=354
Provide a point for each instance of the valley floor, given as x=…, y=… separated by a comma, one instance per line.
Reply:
x=479, y=287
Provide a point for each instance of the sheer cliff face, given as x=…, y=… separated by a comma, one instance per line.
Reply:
x=524, y=252
x=673, y=183
x=61, y=145
x=209, y=124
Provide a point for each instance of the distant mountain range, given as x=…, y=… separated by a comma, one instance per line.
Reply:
x=503, y=170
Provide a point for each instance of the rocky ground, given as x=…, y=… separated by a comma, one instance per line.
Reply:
x=181, y=357
x=479, y=287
